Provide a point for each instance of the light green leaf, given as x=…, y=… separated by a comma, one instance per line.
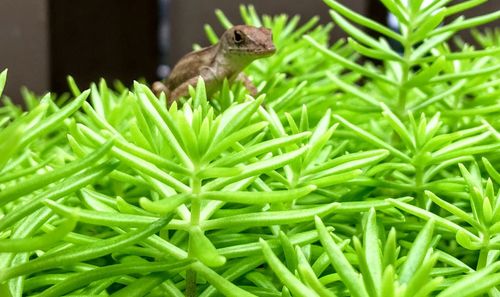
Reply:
x=3, y=79
x=426, y=74
x=378, y=54
x=216, y=149
x=308, y=276
x=334, y=179
x=293, y=283
x=397, y=10
x=256, y=168
x=43, y=241
x=454, y=210
x=495, y=175
x=353, y=90
x=371, y=138
x=399, y=127
x=467, y=241
x=428, y=24
x=223, y=19
x=465, y=5
x=220, y=283
x=428, y=44
x=259, y=197
x=360, y=19
x=348, y=162
x=346, y=62
x=79, y=253
x=349, y=276
x=417, y=253
x=415, y=6
x=269, y=218
x=424, y=214
x=475, y=283
x=165, y=205
x=163, y=121
x=465, y=74
x=372, y=252
x=388, y=282
x=260, y=148
x=210, y=33
x=235, y=117
x=461, y=144
x=203, y=249
x=467, y=23
x=360, y=35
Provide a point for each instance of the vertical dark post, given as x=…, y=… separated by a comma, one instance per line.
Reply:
x=377, y=12
x=42, y=41
x=113, y=39
x=164, y=40
x=24, y=46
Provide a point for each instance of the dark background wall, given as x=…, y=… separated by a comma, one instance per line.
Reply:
x=89, y=39
x=24, y=44
x=187, y=17
x=42, y=41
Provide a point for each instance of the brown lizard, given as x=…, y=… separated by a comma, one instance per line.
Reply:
x=237, y=48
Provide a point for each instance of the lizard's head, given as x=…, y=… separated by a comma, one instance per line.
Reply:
x=248, y=41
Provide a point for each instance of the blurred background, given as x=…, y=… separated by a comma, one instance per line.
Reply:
x=42, y=41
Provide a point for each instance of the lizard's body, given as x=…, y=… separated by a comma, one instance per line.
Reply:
x=237, y=48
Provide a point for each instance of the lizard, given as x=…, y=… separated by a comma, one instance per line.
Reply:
x=237, y=48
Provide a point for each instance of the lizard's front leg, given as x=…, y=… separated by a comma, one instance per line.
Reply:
x=159, y=87
x=182, y=90
x=208, y=77
x=247, y=83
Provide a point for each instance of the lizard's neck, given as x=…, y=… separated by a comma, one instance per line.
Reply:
x=231, y=63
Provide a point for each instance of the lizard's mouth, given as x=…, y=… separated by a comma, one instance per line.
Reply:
x=261, y=52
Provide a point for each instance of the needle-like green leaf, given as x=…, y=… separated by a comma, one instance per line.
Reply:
x=349, y=276
x=294, y=284
x=76, y=254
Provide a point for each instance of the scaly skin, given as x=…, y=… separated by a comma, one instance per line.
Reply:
x=236, y=49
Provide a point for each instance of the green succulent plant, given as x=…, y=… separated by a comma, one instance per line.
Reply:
x=344, y=177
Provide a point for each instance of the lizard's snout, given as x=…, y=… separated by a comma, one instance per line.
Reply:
x=269, y=50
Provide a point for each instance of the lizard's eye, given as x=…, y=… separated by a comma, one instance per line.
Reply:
x=238, y=37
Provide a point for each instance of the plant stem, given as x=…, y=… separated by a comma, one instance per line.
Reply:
x=483, y=257
x=419, y=181
x=483, y=253
x=405, y=69
x=190, y=283
x=195, y=221
x=195, y=201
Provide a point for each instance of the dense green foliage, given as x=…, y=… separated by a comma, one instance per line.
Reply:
x=347, y=176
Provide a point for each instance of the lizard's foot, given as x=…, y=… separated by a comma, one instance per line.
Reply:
x=176, y=94
x=158, y=87
x=248, y=84
x=252, y=90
